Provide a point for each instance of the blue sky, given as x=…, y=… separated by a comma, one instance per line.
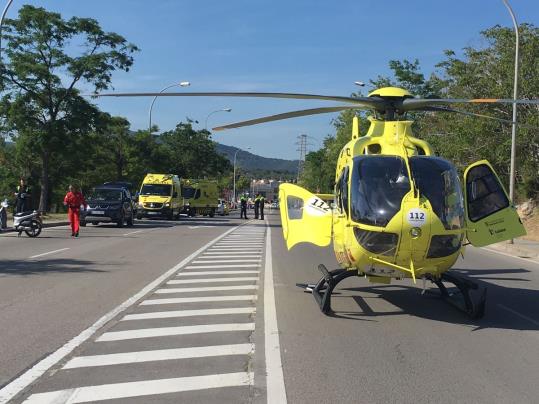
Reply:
x=314, y=46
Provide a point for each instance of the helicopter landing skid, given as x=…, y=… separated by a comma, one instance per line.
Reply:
x=463, y=301
x=324, y=288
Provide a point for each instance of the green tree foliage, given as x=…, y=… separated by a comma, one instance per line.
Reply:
x=47, y=57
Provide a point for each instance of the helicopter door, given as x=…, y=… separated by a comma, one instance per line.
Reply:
x=305, y=217
x=490, y=216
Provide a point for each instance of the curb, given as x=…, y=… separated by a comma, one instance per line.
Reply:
x=45, y=225
x=517, y=251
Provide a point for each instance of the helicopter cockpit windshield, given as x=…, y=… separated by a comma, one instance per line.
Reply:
x=378, y=185
x=438, y=181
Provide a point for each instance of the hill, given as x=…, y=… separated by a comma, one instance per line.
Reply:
x=254, y=164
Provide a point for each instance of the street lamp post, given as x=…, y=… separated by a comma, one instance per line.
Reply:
x=213, y=112
x=180, y=84
x=514, y=125
x=2, y=26
x=515, y=90
x=234, y=189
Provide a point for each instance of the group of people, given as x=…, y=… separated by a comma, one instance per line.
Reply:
x=259, y=207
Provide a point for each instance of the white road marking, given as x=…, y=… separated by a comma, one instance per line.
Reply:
x=159, y=355
x=168, y=331
x=516, y=313
x=214, y=261
x=236, y=249
x=189, y=313
x=232, y=255
x=223, y=266
x=250, y=243
x=207, y=289
x=136, y=231
x=197, y=273
x=28, y=377
x=203, y=299
x=211, y=280
x=229, y=253
x=48, y=253
x=276, y=392
x=199, y=227
x=141, y=388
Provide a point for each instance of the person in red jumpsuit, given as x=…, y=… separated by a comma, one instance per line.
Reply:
x=74, y=200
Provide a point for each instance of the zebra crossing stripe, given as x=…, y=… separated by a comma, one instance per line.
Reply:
x=142, y=388
x=168, y=331
x=203, y=299
x=159, y=355
x=211, y=280
x=189, y=313
x=198, y=273
x=207, y=289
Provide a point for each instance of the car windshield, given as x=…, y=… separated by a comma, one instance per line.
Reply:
x=378, y=185
x=188, y=192
x=106, y=195
x=156, y=189
x=438, y=181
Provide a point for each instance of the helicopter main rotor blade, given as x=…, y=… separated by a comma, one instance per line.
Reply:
x=442, y=109
x=365, y=102
x=415, y=104
x=288, y=115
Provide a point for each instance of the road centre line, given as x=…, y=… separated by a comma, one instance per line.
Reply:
x=182, y=274
x=48, y=253
x=169, y=331
x=276, y=390
x=189, y=313
x=207, y=289
x=223, y=266
x=202, y=299
x=212, y=280
x=159, y=355
x=24, y=380
x=142, y=388
x=516, y=313
x=215, y=261
x=136, y=231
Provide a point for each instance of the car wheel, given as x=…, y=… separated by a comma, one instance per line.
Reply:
x=95, y=223
x=83, y=224
x=130, y=221
x=120, y=223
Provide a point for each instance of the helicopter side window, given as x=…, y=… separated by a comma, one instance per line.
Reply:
x=344, y=191
x=438, y=181
x=485, y=194
x=378, y=186
x=295, y=207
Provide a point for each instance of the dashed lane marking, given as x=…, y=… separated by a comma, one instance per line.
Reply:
x=142, y=388
x=48, y=253
x=189, y=313
x=202, y=299
x=207, y=289
x=168, y=331
x=159, y=355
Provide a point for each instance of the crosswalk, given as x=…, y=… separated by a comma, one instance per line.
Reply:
x=192, y=339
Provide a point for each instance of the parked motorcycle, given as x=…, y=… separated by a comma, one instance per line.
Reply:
x=29, y=222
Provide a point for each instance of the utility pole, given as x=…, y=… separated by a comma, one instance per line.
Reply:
x=302, y=148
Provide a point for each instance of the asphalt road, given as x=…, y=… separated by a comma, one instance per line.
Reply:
x=200, y=332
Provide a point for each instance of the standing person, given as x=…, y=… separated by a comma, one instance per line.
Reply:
x=262, y=202
x=21, y=196
x=257, y=205
x=74, y=200
x=243, y=205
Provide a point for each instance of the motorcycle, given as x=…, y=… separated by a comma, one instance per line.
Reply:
x=29, y=222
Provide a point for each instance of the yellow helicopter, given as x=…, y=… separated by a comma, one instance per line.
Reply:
x=398, y=211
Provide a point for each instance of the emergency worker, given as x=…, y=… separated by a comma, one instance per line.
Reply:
x=243, y=206
x=257, y=206
x=262, y=202
x=74, y=200
x=21, y=197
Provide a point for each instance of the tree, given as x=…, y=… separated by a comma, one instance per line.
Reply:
x=48, y=57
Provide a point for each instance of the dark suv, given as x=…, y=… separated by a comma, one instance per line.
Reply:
x=110, y=203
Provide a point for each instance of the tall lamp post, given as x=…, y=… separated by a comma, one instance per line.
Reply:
x=234, y=190
x=515, y=90
x=180, y=84
x=214, y=112
x=514, y=125
x=2, y=25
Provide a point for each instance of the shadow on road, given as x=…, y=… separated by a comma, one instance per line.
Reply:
x=46, y=266
x=507, y=307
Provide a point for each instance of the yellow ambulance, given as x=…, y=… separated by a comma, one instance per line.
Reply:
x=159, y=196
